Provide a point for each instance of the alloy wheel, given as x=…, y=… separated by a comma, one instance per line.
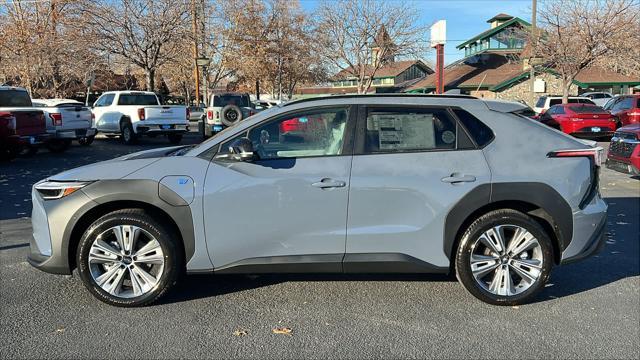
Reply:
x=506, y=260
x=126, y=261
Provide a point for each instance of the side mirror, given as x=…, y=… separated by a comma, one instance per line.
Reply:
x=239, y=150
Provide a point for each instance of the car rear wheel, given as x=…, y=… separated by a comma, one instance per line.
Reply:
x=127, y=134
x=126, y=258
x=504, y=258
x=86, y=141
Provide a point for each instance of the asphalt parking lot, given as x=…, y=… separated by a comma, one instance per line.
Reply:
x=590, y=309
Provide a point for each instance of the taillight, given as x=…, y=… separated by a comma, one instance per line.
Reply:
x=56, y=118
x=141, y=114
x=188, y=114
x=12, y=123
x=595, y=154
x=210, y=114
x=93, y=116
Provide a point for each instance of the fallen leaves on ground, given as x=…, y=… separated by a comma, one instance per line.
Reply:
x=240, y=332
x=282, y=330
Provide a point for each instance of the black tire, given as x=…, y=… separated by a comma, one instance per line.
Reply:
x=58, y=145
x=86, y=141
x=173, y=256
x=127, y=134
x=175, y=138
x=28, y=150
x=486, y=222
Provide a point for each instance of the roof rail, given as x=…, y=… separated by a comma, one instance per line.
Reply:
x=349, y=96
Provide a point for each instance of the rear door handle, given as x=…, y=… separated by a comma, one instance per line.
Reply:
x=329, y=183
x=458, y=178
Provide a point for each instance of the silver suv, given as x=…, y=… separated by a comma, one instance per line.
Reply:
x=344, y=184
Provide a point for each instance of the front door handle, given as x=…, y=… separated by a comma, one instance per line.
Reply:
x=329, y=183
x=458, y=178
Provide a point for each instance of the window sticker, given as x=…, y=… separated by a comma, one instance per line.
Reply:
x=448, y=137
x=403, y=131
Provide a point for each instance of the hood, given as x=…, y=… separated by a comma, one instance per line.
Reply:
x=105, y=170
x=117, y=168
x=633, y=128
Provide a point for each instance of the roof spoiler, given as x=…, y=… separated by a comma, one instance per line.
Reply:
x=505, y=106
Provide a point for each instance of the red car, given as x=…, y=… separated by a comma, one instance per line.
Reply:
x=580, y=120
x=624, y=150
x=21, y=126
x=625, y=108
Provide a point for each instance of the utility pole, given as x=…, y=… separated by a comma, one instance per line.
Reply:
x=196, y=70
x=532, y=71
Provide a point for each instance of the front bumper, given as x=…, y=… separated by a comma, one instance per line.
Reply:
x=52, y=222
x=622, y=166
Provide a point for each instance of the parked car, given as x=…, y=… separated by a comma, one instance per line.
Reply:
x=545, y=102
x=67, y=120
x=21, y=126
x=624, y=150
x=225, y=110
x=132, y=114
x=626, y=109
x=598, y=97
x=431, y=184
x=580, y=120
x=196, y=113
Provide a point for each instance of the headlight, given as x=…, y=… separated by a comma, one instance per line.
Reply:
x=50, y=190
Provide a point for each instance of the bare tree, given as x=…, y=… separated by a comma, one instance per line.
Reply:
x=579, y=33
x=359, y=36
x=146, y=33
x=43, y=47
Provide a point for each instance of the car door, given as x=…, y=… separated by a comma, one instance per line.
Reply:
x=287, y=209
x=101, y=112
x=411, y=165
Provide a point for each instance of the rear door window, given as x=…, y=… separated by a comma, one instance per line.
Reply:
x=393, y=130
x=137, y=99
x=480, y=132
x=588, y=109
x=14, y=98
x=224, y=100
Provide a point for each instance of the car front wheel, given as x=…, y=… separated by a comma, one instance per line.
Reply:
x=504, y=258
x=126, y=258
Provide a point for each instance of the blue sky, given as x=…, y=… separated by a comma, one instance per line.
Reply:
x=465, y=18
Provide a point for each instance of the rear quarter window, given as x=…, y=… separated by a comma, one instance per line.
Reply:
x=480, y=132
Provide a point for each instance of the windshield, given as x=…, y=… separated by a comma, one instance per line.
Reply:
x=137, y=99
x=224, y=100
x=14, y=98
x=588, y=109
x=541, y=101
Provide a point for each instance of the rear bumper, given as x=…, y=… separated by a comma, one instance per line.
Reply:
x=24, y=140
x=73, y=133
x=589, y=228
x=161, y=128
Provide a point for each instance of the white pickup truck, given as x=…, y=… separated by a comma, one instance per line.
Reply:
x=66, y=120
x=132, y=114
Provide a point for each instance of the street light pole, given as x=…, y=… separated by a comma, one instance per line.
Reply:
x=196, y=69
x=532, y=71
